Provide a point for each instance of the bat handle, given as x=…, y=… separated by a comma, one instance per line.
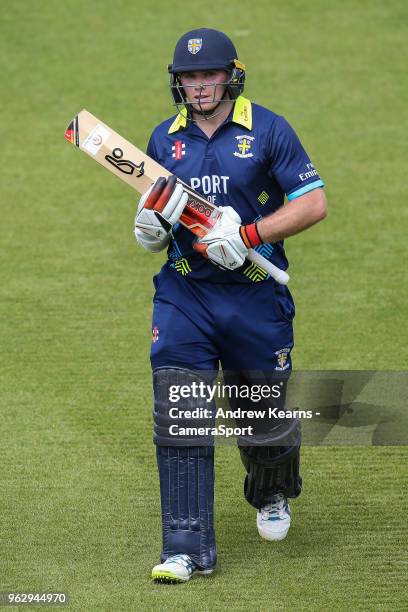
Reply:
x=279, y=275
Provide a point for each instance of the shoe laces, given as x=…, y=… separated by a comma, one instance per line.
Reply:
x=182, y=559
x=276, y=508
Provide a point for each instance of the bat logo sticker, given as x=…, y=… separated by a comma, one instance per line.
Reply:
x=96, y=138
x=124, y=165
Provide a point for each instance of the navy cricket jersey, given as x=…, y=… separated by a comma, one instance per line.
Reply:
x=250, y=163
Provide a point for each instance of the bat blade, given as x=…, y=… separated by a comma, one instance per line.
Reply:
x=114, y=152
x=139, y=171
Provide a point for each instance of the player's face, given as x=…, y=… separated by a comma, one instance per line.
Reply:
x=204, y=88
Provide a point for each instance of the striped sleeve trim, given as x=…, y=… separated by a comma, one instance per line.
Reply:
x=305, y=189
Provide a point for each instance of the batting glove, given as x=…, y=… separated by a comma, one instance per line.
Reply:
x=158, y=210
x=223, y=245
x=227, y=243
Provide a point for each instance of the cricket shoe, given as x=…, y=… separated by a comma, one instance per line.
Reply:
x=177, y=568
x=273, y=519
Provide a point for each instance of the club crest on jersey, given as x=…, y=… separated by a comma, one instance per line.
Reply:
x=194, y=45
x=178, y=149
x=282, y=359
x=244, y=146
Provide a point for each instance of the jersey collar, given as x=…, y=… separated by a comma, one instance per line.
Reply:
x=243, y=112
x=242, y=115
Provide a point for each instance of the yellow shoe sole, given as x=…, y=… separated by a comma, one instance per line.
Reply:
x=164, y=577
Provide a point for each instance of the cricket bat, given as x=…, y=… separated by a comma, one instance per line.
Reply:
x=139, y=171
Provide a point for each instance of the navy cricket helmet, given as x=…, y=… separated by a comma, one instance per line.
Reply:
x=206, y=49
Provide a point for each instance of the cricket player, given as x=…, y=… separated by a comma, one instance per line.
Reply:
x=212, y=307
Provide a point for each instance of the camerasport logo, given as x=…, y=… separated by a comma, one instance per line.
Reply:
x=96, y=139
x=178, y=149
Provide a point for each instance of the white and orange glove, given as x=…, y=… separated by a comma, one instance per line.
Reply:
x=227, y=244
x=158, y=210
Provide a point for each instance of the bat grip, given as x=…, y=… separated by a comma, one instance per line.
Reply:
x=279, y=275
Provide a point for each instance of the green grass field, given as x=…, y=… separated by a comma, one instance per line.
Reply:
x=79, y=506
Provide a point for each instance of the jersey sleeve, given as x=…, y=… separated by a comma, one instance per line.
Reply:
x=289, y=163
x=151, y=148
